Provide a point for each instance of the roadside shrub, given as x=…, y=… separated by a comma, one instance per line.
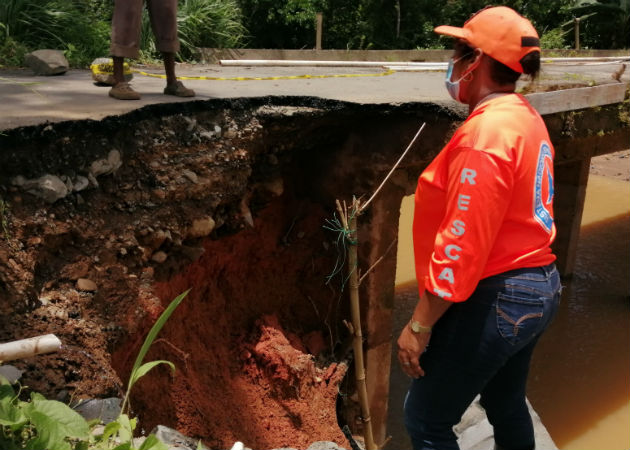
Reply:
x=200, y=23
x=69, y=25
x=553, y=39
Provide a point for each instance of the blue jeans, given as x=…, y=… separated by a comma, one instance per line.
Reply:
x=483, y=346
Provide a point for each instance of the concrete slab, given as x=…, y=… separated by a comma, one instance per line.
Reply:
x=31, y=100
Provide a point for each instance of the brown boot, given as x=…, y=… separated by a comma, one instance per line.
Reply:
x=122, y=91
x=178, y=89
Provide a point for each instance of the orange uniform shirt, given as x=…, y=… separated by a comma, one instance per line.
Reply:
x=485, y=204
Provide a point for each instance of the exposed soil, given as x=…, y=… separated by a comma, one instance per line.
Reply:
x=253, y=342
x=614, y=165
x=227, y=199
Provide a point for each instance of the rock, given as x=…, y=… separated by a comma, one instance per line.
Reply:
x=19, y=181
x=105, y=409
x=201, y=227
x=246, y=213
x=192, y=253
x=84, y=284
x=192, y=176
x=276, y=187
x=174, y=440
x=106, y=166
x=103, y=71
x=80, y=183
x=230, y=134
x=47, y=62
x=49, y=187
x=157, y=239
x=159, y=257
x=324, y=445
x=11, y=373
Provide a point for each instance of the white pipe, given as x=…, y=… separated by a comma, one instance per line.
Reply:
x=396, y=65
x=26, y=348
x=296, y=62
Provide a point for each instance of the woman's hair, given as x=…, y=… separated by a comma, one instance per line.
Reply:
x=502, y=74
x=499, y=72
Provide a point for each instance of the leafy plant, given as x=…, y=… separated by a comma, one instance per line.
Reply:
x=54, y=24
x=553, y=39
x=41, y=424
x=200, y=23
x=38, y=424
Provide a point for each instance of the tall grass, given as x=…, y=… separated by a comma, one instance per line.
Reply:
x=200, y=23
x=68, y=25
x=81, y=28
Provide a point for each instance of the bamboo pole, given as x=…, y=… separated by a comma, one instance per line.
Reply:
x=349, y=221
x=26, y=348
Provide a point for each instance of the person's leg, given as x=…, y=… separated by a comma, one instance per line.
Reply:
x=524, y=311
x=126, y=24
x=163, y=14
x=503, y=398
x=462, y=355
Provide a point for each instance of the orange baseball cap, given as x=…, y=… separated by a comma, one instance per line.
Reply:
x=500, y=32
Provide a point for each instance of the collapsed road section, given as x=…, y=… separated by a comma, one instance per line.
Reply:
x=104, y=222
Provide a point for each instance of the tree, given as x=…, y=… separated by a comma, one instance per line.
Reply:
x=604, y=23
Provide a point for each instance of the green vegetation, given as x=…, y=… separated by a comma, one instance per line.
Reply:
x=81, y=28
x=41, y=424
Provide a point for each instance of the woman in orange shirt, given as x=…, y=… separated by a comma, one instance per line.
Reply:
x=483, y=226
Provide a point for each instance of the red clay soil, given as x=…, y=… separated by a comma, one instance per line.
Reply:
x=243, y=372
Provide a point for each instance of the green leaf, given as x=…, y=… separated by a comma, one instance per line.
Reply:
x=110, y=429
x=153, y=443
x=61, y=416
x=50, y=435
x=146, y=367
x=148, y=341
x=124, y=446
x=10, y=415
x=125, y=431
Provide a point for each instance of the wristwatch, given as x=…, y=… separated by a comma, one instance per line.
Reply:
x=417, y=328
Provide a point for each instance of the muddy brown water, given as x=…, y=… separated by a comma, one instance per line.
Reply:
x=580, y=376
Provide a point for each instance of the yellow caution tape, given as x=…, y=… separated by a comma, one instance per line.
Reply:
x=287, y=77
x=107, y=68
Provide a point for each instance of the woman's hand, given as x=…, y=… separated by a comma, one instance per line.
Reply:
x=410, y=347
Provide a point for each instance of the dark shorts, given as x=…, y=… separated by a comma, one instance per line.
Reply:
x=127, y=22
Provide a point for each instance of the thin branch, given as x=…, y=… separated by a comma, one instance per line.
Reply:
x=377, y=261
x=393, y=168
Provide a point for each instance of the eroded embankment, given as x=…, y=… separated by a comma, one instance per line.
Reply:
x=105, y=222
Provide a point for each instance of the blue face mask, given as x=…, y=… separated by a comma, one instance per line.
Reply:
x=453, y=86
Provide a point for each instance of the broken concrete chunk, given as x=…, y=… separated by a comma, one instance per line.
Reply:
x=84, y=284
x=174, y=440
x=49, y=187
x=47, y=62
x=105, y=409
x=201, y=227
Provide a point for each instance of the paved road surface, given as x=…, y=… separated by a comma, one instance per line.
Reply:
x=30, y=100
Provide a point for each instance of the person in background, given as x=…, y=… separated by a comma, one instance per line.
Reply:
x=126, y=24
x=482, y=230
